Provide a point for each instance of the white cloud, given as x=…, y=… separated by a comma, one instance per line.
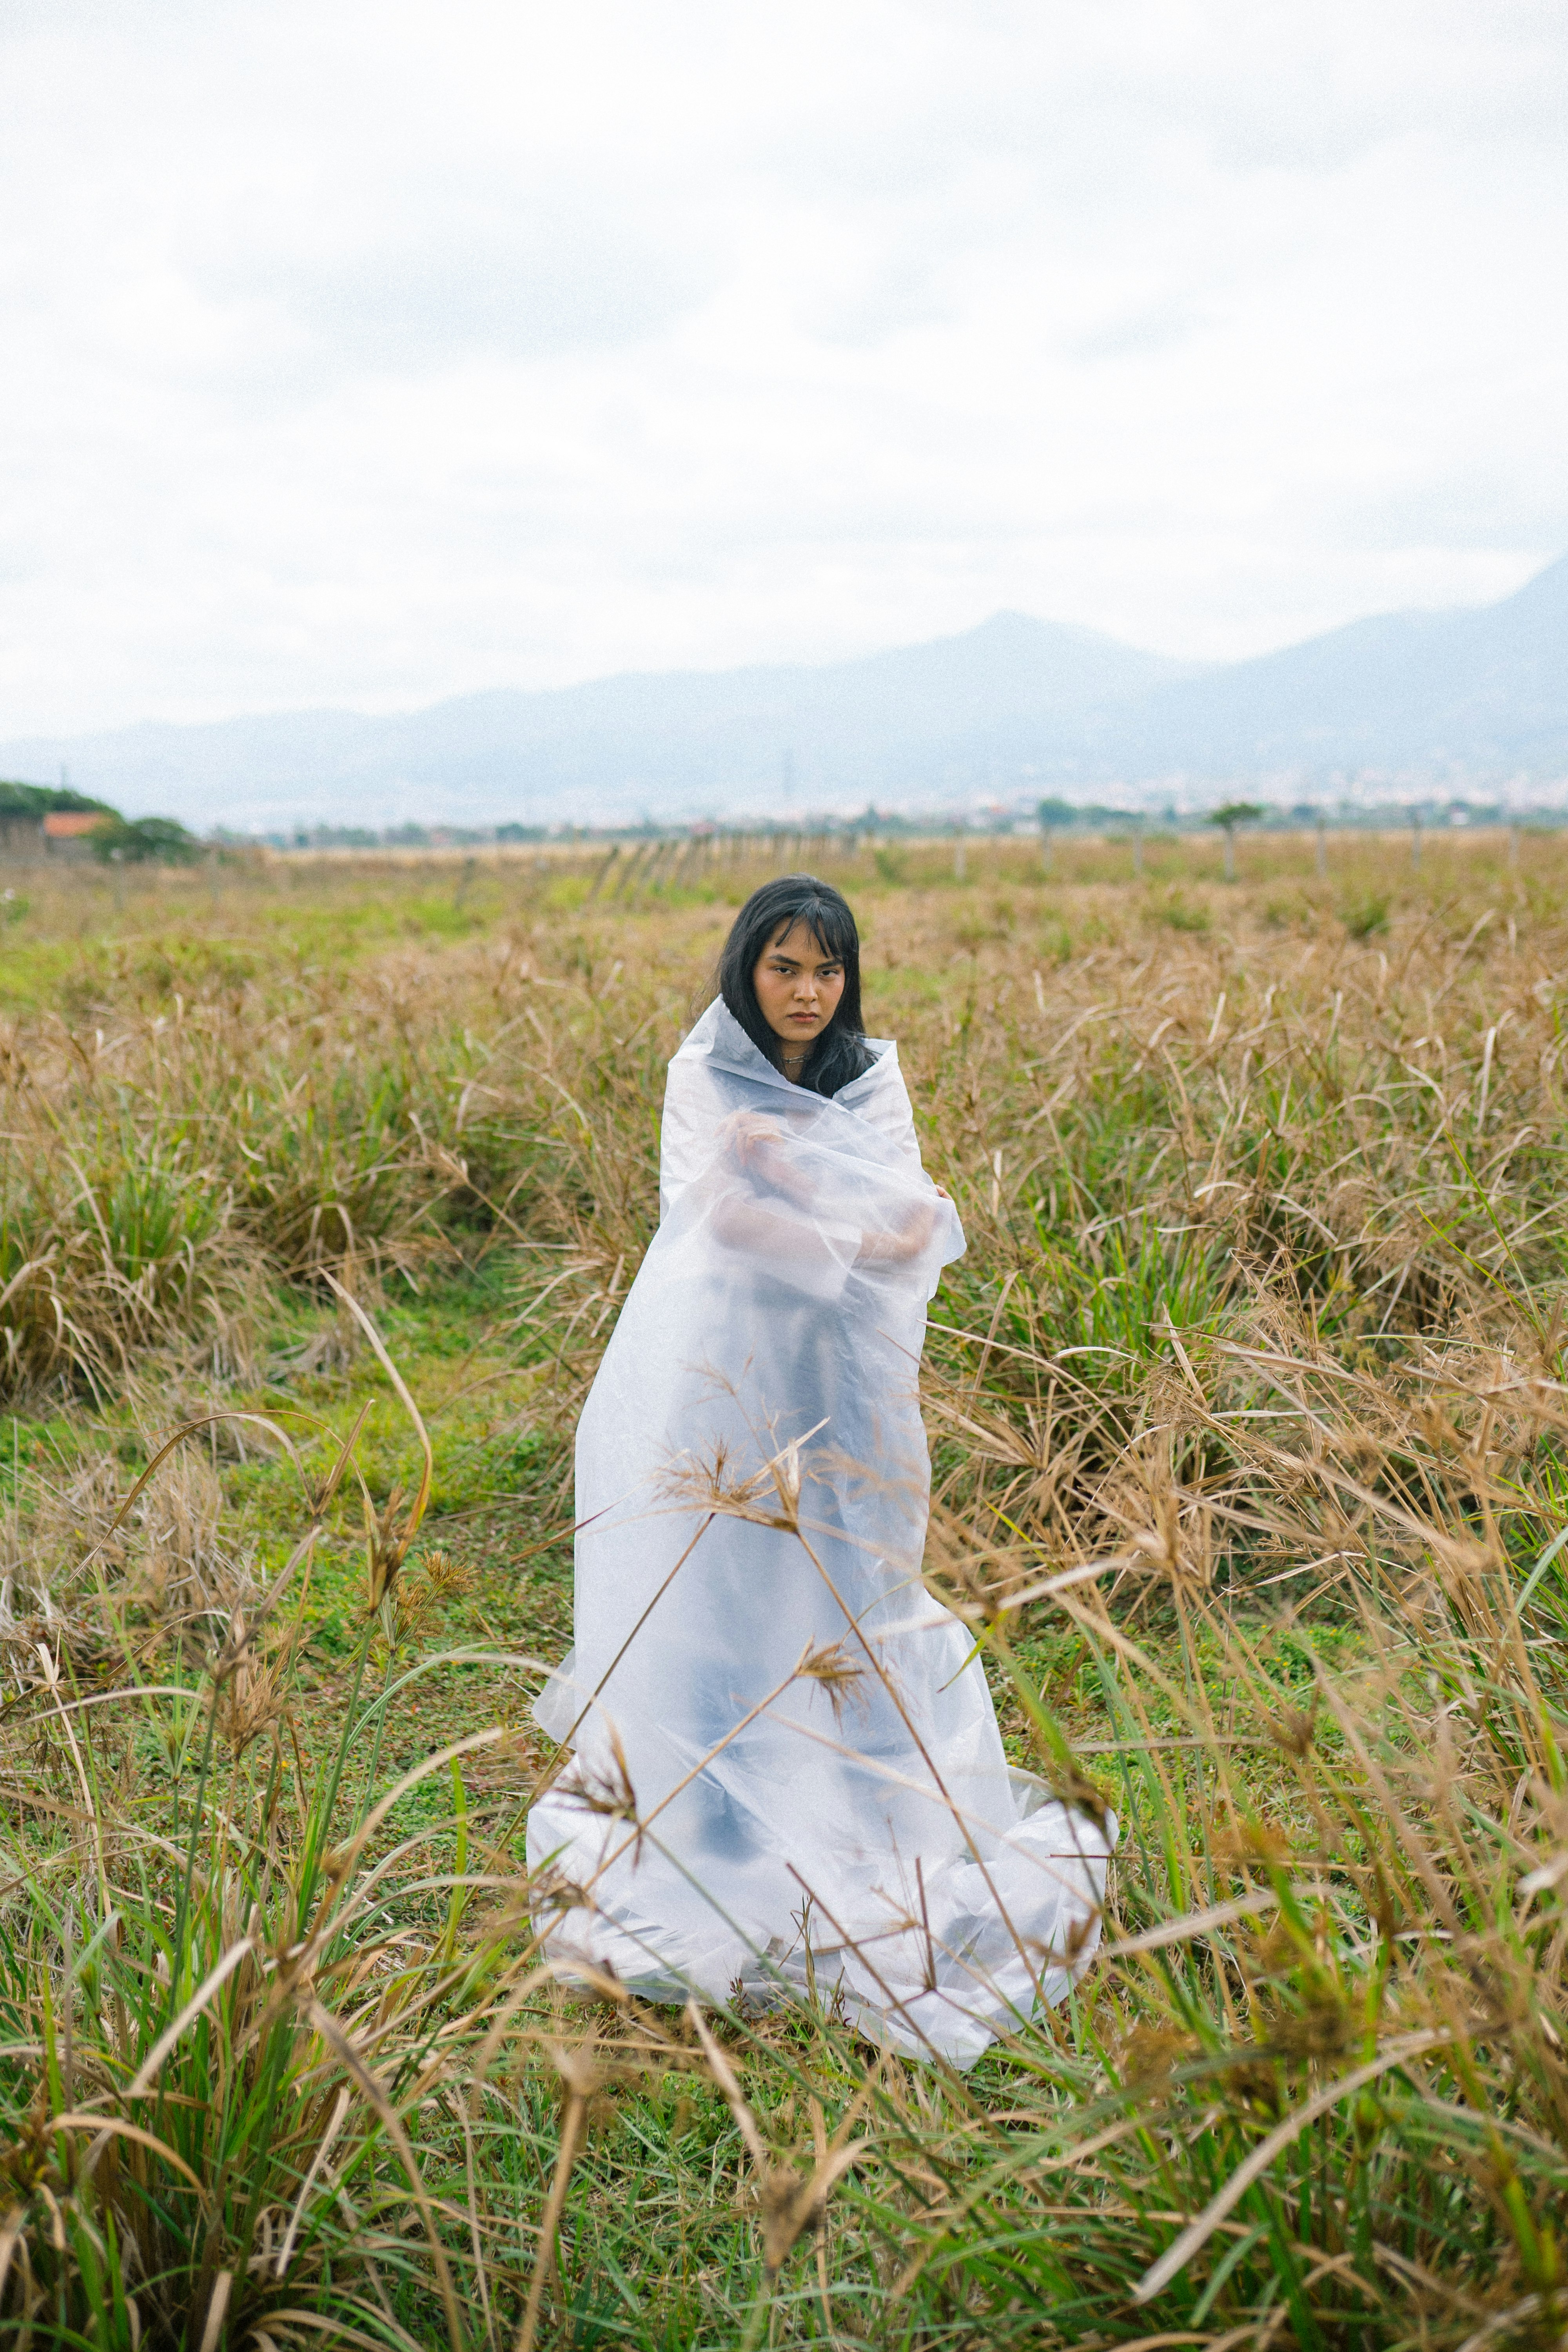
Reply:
x=367, y=354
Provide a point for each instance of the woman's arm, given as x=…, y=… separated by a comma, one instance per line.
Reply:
x=764, y=1154
x=885, y=1248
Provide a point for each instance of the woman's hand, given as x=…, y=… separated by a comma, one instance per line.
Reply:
x=763, y=1155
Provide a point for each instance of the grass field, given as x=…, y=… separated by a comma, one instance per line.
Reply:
x=323, y=1183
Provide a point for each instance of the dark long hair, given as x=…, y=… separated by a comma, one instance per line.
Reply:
x=841, y=1052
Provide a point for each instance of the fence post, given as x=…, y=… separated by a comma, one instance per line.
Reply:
x=1415, y=839
x=630, y=871
x=1323, y=848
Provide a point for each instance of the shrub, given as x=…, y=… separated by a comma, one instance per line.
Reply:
x=144, y=841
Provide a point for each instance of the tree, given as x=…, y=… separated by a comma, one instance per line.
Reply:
x=46, y=800
x=1227, y=817
x=1051, y=812
x=145, y=841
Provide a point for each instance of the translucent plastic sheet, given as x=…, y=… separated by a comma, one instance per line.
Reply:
x=788, y=1771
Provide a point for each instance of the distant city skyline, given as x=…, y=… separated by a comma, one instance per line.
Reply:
x=364, y=357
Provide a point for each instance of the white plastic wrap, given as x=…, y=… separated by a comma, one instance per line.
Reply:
x=788, y=1771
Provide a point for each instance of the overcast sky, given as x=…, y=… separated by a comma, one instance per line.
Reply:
x=365, y=354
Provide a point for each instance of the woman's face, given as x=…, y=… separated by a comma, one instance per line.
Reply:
x=798, y=986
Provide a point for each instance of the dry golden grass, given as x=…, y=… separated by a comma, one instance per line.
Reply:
x=1248, y=1409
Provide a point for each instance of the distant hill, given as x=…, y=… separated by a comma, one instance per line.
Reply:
x=1481, y=694
x=1015, y=707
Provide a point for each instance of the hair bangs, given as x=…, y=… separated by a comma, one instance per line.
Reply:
x=828, y=919
x=769, y=915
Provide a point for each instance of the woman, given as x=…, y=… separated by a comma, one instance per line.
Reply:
x=788, y=1773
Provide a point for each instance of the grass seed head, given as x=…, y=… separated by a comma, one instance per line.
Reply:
x=832, y=1668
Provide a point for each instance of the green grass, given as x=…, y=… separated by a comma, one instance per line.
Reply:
x=1257, y=1340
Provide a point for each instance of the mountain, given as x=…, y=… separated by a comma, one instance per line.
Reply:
x=1436, y=696
x=906, y=724
x=1013, y=707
